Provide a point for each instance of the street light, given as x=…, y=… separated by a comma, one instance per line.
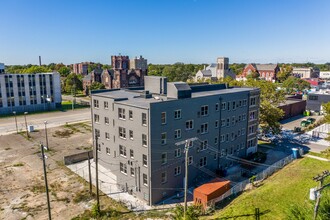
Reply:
x=27, y=132
x=47, y=146
x=15, y=121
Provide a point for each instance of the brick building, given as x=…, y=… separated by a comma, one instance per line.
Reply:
x=81, y=68
x=266, y=71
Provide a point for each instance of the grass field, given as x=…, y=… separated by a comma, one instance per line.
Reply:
x=287, y=188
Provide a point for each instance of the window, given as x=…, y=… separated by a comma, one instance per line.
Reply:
x=164, y=177
x=121, y=113
x=313, y=97
x=144, y=119
x=202, y=162
x=189, y=124
x=204, y=128
x=228, y=122
x=107, y=150
x=96, y=103
x=132, y=171
x=177, y=152
x=122, y=132
x=96, y=118
x=233, y=120
x=216, y=140
x=223, y=106
x=240, y=103
x=222, y=138
x=130, y=114
x=145, y=179
x=252, y=101
x=203, y=145
x=244, y=102
x=243, y=131
x=163, y=138
x=177, y=114
x=217, y=106
x=98, y=147
x=177, y=133
x=251, y=129
x=145, y=160
x=190, y=160
x=251, y=143
x=107, y=135
x=239, y=118
x=144, y=140
x=131, y=153
x=223, y=122
x=177, y=170
x=234, y=105
x=97, y=133
x=215, y=156
x=163, y=117
x=243, y=117
x=204, y=110
x=216, y=124
x=164, y=158
x=106, y=105
x=122, y=150
x=106, y=120
x=190, y=144
x=123, y=168
x=253, y=116
x=131, y=134
x=227, y=137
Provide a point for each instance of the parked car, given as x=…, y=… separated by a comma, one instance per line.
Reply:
x=311, y=120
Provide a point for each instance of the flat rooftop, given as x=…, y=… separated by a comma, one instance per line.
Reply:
x=135, y=97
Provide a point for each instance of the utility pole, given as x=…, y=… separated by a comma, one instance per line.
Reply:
x=186, y=178
x=97, y=175
x=319, y=178
x=27, y=132
x=187, y=143
x=47, y=145
x=46, y=183
x=16, y=122
x=90, y=174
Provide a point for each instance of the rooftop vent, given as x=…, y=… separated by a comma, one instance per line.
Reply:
x=145, y=94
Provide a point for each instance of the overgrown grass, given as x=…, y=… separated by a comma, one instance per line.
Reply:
x=324, y=154
x=284, y=189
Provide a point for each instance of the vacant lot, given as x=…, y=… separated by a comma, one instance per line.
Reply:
x=22, y=191
x=287, y=188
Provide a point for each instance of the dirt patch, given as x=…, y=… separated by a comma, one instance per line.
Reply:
x=22, y=194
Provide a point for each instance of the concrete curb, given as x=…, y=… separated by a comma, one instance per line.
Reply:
x=317, y=158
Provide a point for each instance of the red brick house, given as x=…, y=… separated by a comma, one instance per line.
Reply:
x=266, y=71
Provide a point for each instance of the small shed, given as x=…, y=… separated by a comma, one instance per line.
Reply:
x=211, y=190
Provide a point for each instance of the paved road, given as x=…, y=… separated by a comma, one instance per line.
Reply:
x=54, y=119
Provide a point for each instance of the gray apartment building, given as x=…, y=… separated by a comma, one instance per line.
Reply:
x=29, y=92
x=137, y=131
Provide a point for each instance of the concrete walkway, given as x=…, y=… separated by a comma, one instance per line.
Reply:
x=317, y=158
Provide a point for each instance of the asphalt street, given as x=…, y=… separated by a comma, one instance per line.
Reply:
x=54, y=119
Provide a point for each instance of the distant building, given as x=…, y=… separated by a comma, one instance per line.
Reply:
x=216, y=71
x=293, y=106
x=29, y=92
x=137, y=131
x=81, y=68
x=316, y=99
x=266, y=71
x=94, y=76
x=324, y=74
x=124, y=73
x=139, y=64
x=305, y=72
x=2, y=68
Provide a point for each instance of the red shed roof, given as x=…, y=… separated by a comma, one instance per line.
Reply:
x=212, y=186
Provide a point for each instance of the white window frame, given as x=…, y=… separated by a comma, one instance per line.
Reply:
x=163, y=118
x=177, y=114
x=177, y=170
x=177, y=133
x=190, y=124
x=204, y=110
x=163, y=138
x=204, y=128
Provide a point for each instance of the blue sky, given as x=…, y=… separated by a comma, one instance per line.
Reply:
x=165, y=31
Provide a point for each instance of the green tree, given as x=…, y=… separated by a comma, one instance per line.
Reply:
x=96, y=86
x=64, y=71
x=73, y=83
x=253, y=75
x=193, y=212
x=292, y=84
x=37, y=69
x=285, y=72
